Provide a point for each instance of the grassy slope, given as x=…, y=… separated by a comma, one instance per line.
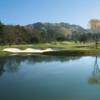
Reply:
x=68, y=48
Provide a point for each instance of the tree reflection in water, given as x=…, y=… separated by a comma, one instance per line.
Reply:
x=12, y=63
x=95, y=78
x=2, y=63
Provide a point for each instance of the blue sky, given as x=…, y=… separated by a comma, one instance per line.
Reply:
x=30, y=11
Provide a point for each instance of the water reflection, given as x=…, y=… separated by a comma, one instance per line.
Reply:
x=95, y=77
x=2, y=63
x=12, y=63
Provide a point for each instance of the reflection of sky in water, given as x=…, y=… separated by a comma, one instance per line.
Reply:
x=44, y=78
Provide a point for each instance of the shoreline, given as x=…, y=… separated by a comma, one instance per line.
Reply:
x=49, y=51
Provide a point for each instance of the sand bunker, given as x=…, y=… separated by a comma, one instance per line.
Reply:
x=28, y=50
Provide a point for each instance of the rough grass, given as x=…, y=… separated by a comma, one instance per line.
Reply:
x=74, y=52
x=2, y=53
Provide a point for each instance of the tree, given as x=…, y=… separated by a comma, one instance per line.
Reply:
x=95, y=27
x=83, y=38
x=1, y=32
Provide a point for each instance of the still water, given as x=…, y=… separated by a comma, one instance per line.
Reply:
x=49, y=78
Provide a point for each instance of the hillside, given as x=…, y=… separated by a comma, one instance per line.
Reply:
x=40, y=32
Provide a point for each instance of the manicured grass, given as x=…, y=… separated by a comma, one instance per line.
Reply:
x=70, y=48
x=21, y=46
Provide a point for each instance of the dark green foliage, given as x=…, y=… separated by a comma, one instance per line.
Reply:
x=1, y=33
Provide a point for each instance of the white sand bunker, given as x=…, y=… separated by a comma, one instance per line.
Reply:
x=28, y=50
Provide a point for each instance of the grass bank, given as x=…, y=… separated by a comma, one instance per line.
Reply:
x=74, y=52
x=68, y=48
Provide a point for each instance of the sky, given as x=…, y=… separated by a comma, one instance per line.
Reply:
x=25, y=12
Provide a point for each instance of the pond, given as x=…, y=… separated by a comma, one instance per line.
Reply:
x=49, y=78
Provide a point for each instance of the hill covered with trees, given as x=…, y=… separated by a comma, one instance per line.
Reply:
x=43, y=32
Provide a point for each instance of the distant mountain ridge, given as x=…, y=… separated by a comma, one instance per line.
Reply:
x=64, y=28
